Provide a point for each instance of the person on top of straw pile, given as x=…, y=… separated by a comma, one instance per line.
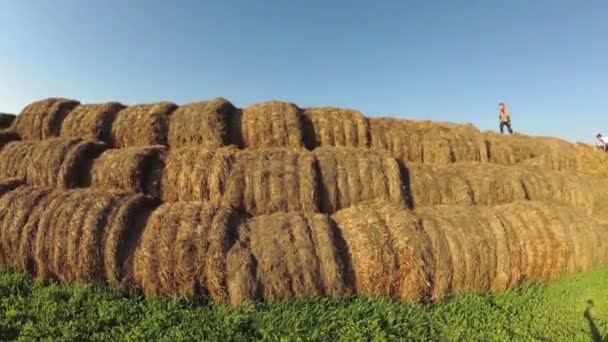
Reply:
x=603, y=142
x=505, y=118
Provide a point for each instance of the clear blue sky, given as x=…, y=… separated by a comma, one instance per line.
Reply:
x=441, y=60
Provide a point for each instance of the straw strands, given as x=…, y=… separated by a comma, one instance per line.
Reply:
x=272, y=124
x=91, y=121
x=329, y=126
x=43, y=119
x=142, y=125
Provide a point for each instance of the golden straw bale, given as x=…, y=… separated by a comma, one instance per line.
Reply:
x=390, y=252
x=182, y=250
x=6, y=120
x=272, y=124
x=352, y=176
x=130, y=169
x=43, y=119
x=270, y=181
x=329, y=126
x=204, y=123
x=194, y=173
x=142, y=125
x=15, y=158
x=294, y=254
x=91, y=121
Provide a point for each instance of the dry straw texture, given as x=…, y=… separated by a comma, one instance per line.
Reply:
x=286, y=256
x=6, y=120
x=43, y=119
x=9, y=184
x=329, y=126
x=142, y=125
x=202, y=123
x=131, y=169
x=270, y=181
x=182, y=251
x=60, y=162
x=427, y=142
x=272, y=124
x=195, y=173
x=389, y=252
x=351, y=176
x=91, y=121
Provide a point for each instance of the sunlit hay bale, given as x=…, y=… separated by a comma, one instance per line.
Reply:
x=427, y=142
x=142, y=125
x=194, y=173
x=592, y=161
x=131, y=169
x=15, y=158
x=182, y=251
x=43, y=119
x=270, y=181
x=6, y=120
x=10, y=184
x=286, y=256
x=7, y=136
x=351, y=176
x=202, y=123
x=329, y=126
x=470, y=248
x=391, y=255
x=15, y=208
x=91, y=121
x=272, y=124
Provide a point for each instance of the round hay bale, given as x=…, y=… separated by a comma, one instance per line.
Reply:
x=15, y=158
x=76, y=167
x=91, y=121
x=47, y=159
x=182, y=250
x=353, y=176
x=201, y=123
x=194, y=173
x=7, y=136
x=272, y=124
x=10, y=184
x=294, y=254
x=142, y=125
x=390, y=252
x=131, y=169
x=6, y=120
x=15, y=209
x=336, y=127
x=270, y=181
x=43, y=119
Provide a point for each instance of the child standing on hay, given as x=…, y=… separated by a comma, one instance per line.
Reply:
x=505, y=118
x=603, y=142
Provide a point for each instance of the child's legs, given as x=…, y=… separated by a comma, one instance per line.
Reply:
x=502, y=126
x=509, y=127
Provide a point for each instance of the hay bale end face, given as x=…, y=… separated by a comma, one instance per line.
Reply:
x=142, y=125
x=43, y=119
x=6, y=120
x=131, y=169
x=202, y=123
x=91, y=121
x=294, y=254
x=272, y=124
x=337, y=127
x=270, y=181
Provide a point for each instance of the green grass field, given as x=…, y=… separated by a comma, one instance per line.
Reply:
x=31, y=310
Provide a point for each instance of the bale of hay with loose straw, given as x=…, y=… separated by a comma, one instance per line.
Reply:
x=7, y=136
x=194, y=173
x=427, y=142
x=43, y=119
x=15, y=209
x=350, y=176
x=328, y=126
x=6, y=120
x=271, y=181
x=142, y=125
x=182, y=250
x=15, y=158
x=272, y=124
x=131, y=169
x=390, y=253
x=286, y=256
x=204, y=123
x=592, y=161
x=91, y=121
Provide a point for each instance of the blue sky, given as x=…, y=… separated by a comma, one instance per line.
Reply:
x=440, y=60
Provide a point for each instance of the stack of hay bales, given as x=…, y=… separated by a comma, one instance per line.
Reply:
x=91, y=121
x=329, y=126
x=271, y=124
x=142, y=125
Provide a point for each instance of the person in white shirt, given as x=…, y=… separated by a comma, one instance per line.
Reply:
x=603, y=141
